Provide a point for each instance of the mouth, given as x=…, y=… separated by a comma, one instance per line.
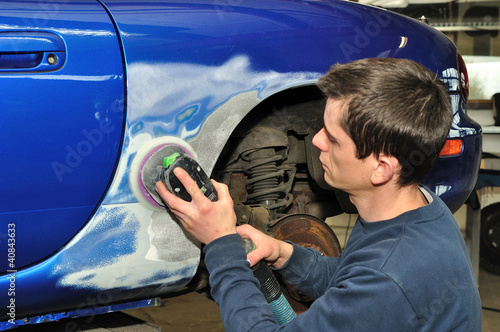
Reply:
x=322, y=164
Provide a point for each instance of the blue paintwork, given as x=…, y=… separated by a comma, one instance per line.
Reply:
x=61, y=130
x=81, y=234
x=92, y=311
x=453, y=178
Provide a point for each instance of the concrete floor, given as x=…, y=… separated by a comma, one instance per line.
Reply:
x=194, y=312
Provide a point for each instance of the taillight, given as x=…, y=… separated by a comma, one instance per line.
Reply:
x=464, y=77
x=452, y=147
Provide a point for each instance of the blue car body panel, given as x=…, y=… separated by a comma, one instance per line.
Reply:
x=453, y=178
x=61, y=125
x=190, y=70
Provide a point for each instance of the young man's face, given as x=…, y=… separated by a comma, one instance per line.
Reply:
x=338, y=152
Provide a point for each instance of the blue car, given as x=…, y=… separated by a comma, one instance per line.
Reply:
x=93, y=92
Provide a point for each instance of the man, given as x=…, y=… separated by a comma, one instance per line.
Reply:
x=405, y=266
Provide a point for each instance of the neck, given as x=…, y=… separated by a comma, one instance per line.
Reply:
x=383, y=203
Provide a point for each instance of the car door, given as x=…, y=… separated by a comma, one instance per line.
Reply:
x=61, y=122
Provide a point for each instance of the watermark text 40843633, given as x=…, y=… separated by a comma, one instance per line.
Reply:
x=11, y=258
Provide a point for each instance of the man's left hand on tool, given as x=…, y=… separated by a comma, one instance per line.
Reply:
x=274, y=252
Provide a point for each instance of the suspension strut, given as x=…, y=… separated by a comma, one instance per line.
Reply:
x=265, y=179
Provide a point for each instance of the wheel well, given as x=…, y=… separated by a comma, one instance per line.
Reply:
x=269, y=159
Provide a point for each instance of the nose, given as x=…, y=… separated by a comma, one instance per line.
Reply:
x=319, y=140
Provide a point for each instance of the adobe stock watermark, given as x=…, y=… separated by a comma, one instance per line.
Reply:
x=450, y=292
x=47, y=10
x=84, y=148
x=252, y=317
x=365, y=35
x=11, y=263
x=224, y=6
x=416, y=158
x=99, y=300
x=92, y=138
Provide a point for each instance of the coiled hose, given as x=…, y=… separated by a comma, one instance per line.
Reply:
x=270, y=287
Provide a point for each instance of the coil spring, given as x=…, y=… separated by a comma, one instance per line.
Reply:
x=265, y=180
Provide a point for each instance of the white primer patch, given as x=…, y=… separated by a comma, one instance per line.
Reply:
x=128, y=246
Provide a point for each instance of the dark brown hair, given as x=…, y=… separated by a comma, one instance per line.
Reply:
x=394, y=106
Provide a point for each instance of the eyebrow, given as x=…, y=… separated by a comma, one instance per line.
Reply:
x=328, y=132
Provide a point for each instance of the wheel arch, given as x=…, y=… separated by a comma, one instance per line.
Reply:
x=236, y=112
x=295, y=111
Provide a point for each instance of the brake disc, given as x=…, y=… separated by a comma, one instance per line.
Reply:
x=309, y=232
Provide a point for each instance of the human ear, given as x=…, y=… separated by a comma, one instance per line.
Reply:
x=384, y=169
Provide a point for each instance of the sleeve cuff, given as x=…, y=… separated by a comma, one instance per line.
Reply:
x=298, y=265
x=224, y=250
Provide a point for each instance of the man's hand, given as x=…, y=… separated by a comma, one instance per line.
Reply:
x=204, y=219
x=275, y=252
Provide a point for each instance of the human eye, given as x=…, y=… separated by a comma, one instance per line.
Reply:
x=329, y=136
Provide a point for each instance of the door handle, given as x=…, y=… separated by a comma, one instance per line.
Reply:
x=33, y=51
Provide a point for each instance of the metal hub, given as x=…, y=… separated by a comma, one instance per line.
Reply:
x=309, y=232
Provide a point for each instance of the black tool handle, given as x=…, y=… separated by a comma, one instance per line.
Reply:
x=194, y=169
